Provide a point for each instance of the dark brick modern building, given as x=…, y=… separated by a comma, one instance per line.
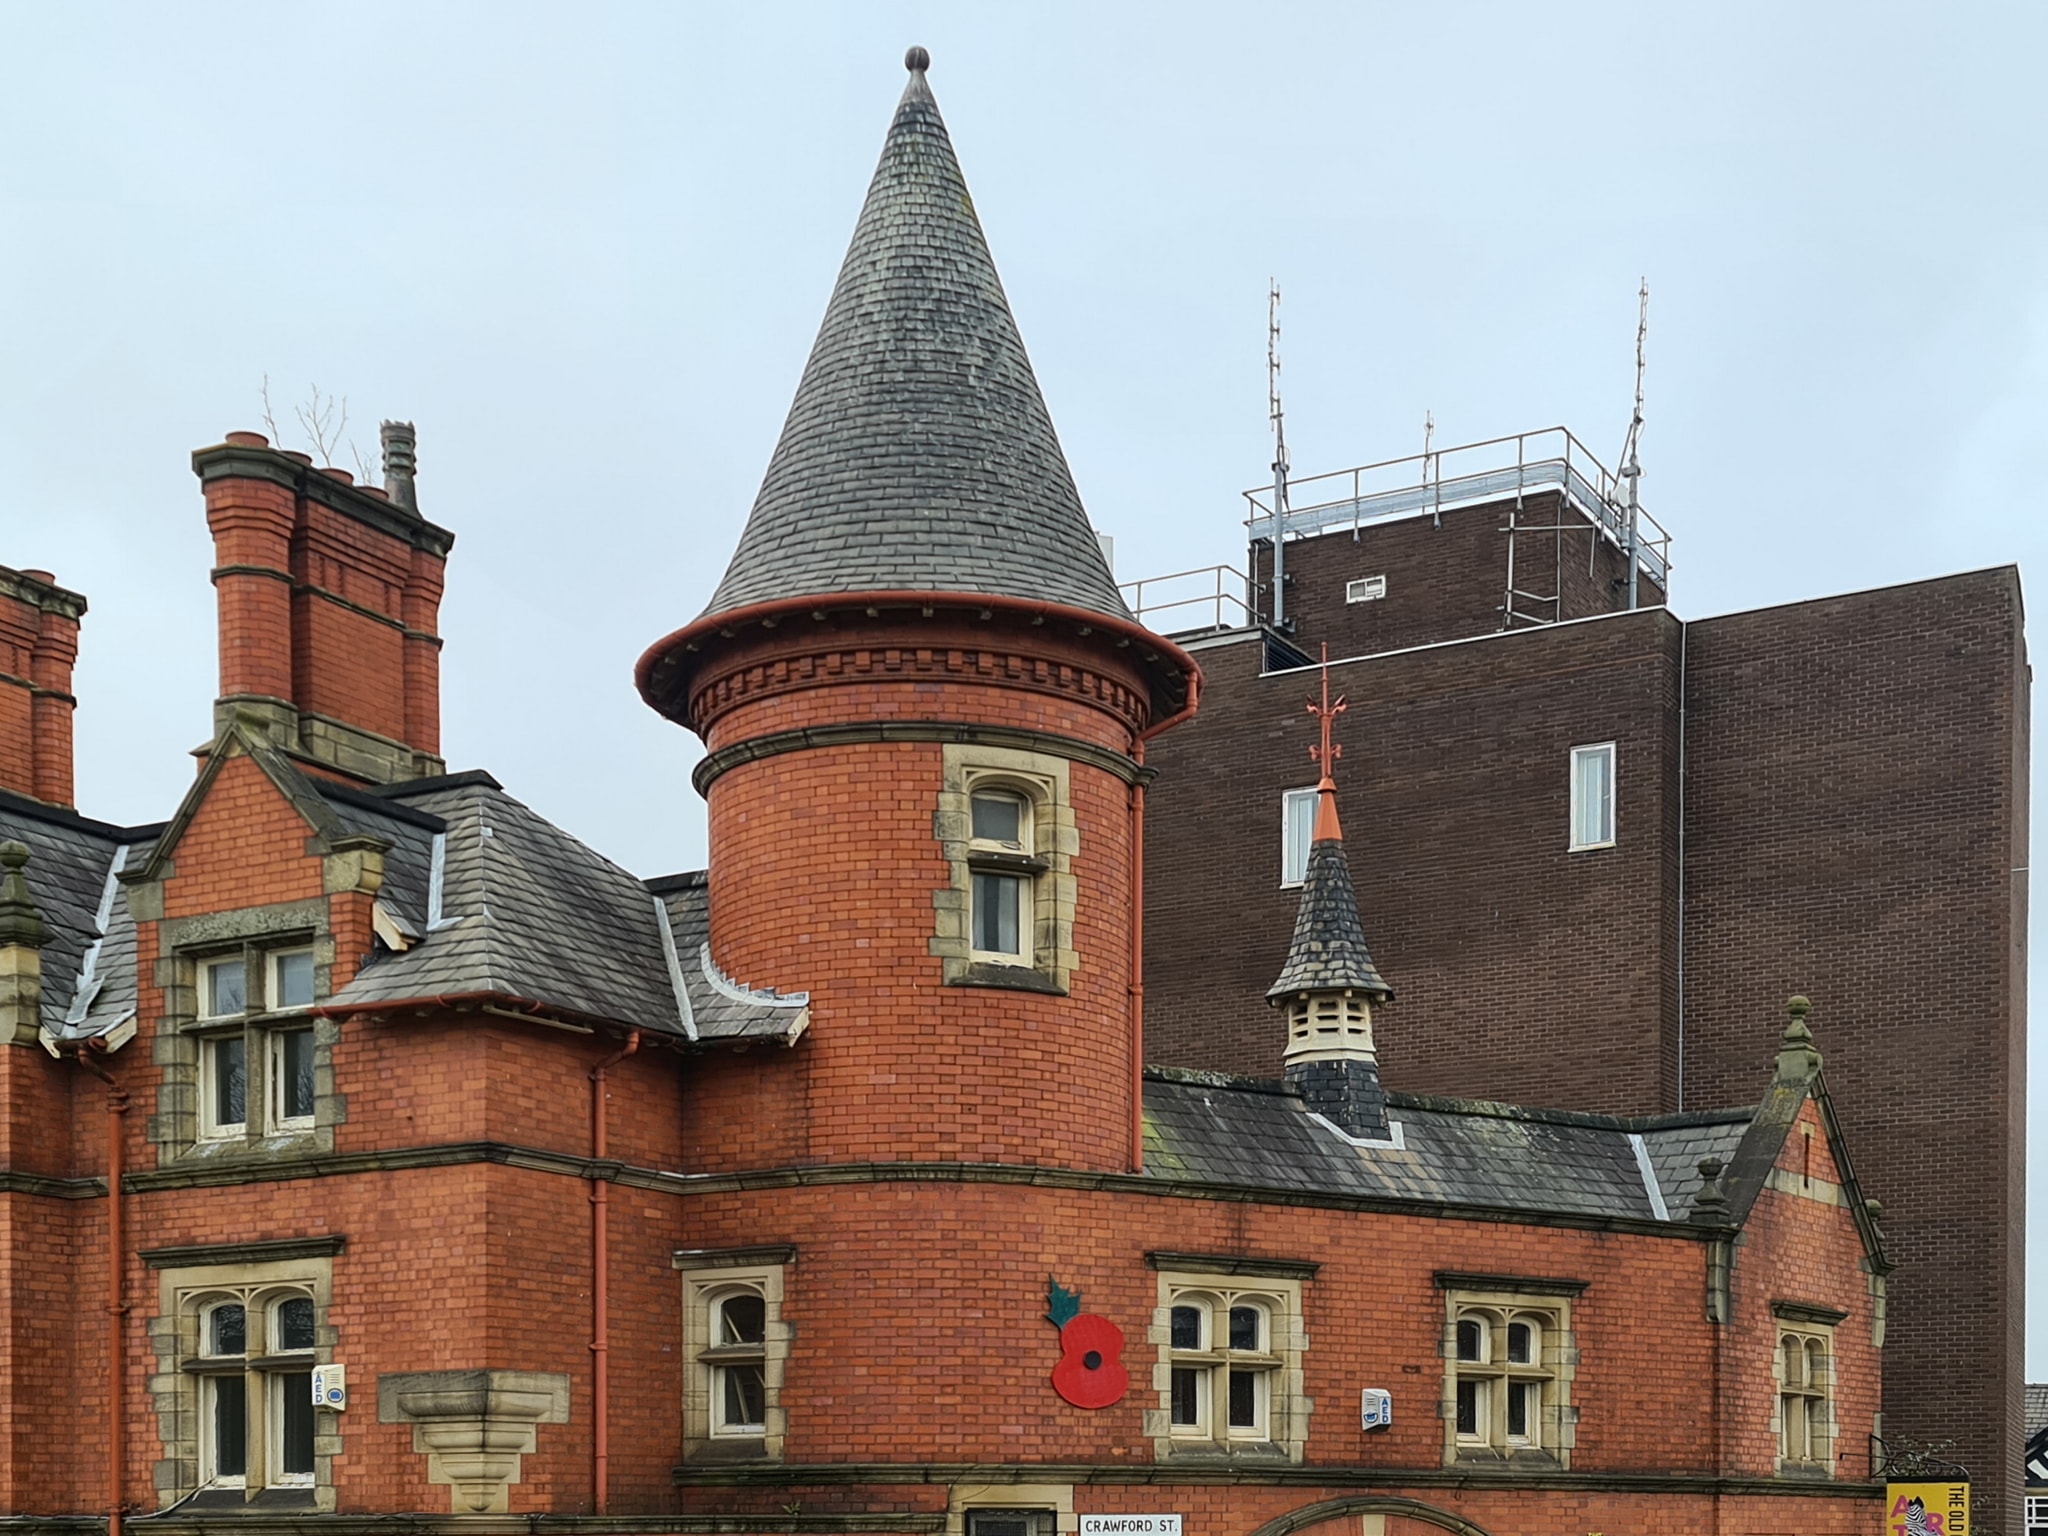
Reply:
x=1830, y=794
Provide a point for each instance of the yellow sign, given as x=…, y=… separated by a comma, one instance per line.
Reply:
x=1927, y=1509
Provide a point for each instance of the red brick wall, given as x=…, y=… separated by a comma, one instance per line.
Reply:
x=917, y=1311
x=823, y=866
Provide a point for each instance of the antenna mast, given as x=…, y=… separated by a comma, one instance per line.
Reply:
x=1631, y=463
x=1278, y=418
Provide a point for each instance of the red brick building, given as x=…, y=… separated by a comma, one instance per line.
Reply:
x=374, y=1156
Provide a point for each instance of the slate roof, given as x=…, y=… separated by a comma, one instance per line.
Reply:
x=88, y=969
x=1328, y=952
x=1210, y=1129
x=720, y=1008
x=2037, y=1408
x=1676, y=1149
x=1253, y=1134
x=528, y=913
x=918, y=454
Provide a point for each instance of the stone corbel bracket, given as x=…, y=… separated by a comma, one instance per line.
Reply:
x=473, y=1426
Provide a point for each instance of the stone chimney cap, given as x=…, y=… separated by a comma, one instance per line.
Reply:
x=401, y=462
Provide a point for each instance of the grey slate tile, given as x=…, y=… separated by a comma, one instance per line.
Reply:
x=918, y=453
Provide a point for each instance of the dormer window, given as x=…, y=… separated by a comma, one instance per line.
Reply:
x=1000, y=855
x=256, y=1048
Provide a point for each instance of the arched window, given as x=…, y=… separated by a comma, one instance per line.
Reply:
x=738, y=1362
x=1507, y=1396
x=1805, y=1380
x=1221, y=1359
x=255, y=1370
x=1002, y=856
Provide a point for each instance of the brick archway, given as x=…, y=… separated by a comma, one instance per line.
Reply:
x=1337, y=1509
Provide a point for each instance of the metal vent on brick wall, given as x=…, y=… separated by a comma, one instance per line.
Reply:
x=1366, y=589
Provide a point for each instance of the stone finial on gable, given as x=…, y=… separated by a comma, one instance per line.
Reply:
x=1798, y=1059
x=1710, y=1206
x=23, y=933
x=20, y=923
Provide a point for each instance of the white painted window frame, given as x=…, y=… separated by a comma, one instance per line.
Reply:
x=1606, y=749
x=1293, y=802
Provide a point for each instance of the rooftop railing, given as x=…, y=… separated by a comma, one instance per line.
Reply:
x=1466, y=475
x=1208, y=597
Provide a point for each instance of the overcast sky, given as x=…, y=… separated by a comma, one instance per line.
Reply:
x=585, y=249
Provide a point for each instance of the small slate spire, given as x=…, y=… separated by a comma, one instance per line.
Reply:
x=1329, y=984
x=1329, y=950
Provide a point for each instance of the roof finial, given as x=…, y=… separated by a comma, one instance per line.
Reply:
x=1326, y=755
x=916, y=60
x=20, y=923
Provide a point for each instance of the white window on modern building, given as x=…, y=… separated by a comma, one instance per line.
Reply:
x=1592, y=792
x=255, y=1373
x=1365, y=589
x=2037, y=1515
x=1509, y=1362
x=1229, y=1365
x=1002, y=858
x=256, y=1049
x=1805, y=1370
x=736, y=1345
x=1297, y=828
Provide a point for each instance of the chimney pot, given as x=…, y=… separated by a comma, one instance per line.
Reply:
x=41, y=576
x=336, y=472
x=401, y=462
x=248, y=439
x=296, y=456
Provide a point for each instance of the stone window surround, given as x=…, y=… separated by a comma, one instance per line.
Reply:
x=1548, y=1300
x=708, y=1276
x=1808, y=1324
x=1278, y=1289
x=1057, y=1497
x=1043, y=780
x=183, y=1289
x=255, y=933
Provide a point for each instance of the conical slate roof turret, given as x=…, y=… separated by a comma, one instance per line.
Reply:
x=918, y=455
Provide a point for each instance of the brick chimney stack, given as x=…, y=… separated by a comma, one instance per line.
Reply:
x=38, y=644
x=329, y=595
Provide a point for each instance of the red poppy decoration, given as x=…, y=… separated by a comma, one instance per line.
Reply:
x=1090, y=1373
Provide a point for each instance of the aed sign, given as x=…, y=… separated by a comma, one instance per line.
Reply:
x=1927, y=1509
x=1130, y=1525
